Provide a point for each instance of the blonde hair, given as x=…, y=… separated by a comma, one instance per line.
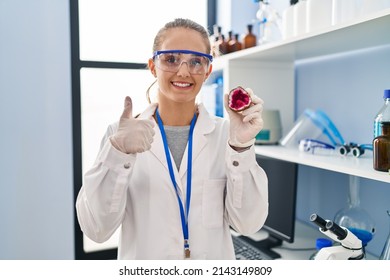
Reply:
x=178, y=23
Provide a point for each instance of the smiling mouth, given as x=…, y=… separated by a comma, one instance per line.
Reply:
x=182, y=85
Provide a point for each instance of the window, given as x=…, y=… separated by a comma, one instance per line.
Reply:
x=111, y=43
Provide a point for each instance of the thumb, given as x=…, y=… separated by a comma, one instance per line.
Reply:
x=128, y=108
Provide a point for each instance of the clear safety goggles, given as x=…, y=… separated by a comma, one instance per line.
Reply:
x=171, y=61
x=313, y=146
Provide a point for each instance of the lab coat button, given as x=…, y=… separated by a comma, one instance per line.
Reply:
x=235, y=163
x=126, y=165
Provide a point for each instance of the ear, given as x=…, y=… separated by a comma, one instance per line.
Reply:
x=208, y=72
x=152, y=67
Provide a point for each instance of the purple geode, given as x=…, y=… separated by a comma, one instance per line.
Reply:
x=239, y=99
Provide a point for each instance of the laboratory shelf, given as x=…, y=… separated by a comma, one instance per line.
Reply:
x=361, y=33
x=264, y=67
x=351, y=165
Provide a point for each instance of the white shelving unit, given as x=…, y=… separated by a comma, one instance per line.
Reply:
x=361, y=33
x=269, y=70
x=361, y=166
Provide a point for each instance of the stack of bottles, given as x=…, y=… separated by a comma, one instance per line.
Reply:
x=223, y=44
x=267, y=27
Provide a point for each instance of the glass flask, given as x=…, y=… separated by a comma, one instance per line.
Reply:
x=386, y=249
x=354, y=217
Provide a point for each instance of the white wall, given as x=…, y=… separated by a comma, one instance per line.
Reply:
x=36, y=173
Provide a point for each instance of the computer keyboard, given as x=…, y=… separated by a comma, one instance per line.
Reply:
x=246, y=251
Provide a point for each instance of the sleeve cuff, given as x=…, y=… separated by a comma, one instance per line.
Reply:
x=115, y=159
x=240, y=161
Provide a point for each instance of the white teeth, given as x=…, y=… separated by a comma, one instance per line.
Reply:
x=181, y=84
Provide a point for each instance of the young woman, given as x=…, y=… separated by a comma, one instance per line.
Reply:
x=175, y=178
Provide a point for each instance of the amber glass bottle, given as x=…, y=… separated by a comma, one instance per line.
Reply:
x=381, y=148
x=235, y=44
x=222, y=44
x=229, y=40
x=238, y=45
x=249, y=39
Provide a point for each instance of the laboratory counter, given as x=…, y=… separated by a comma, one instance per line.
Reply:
x=302, y=247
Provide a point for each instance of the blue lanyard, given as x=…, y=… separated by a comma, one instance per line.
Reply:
x=183, y=215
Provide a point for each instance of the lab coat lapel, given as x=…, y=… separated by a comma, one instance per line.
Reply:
x=158, y=149
x=157, y=145
x=204, y=125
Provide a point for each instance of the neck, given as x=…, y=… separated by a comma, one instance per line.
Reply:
x=177, y=115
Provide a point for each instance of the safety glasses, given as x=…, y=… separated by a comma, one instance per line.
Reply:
x=313, y=146
x=171, y=61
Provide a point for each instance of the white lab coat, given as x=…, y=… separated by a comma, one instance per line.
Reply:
x=136, y=193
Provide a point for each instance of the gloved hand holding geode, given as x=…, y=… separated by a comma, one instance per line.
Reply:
x=245, y=118
x=133, y=135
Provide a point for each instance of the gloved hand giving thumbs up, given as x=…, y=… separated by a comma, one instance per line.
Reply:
x=133, y=135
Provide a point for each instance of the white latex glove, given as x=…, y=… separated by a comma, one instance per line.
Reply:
x=133, y=135
x=245, y=125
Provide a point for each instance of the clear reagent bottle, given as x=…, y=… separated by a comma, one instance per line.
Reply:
x=383, y=114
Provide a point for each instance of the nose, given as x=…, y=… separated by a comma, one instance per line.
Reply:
x=183, y=71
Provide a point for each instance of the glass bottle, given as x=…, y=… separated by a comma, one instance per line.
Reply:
x=288, y=20
x=222, y=45
x=354, y=217
x=385, y=255
x=383, y=114
x=229, y=40
x=249, y=39
x=217, y=31
x=381, y=149
x=236, y=45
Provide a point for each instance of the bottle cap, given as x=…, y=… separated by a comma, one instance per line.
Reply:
x=322, y=243
x=386, y=93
